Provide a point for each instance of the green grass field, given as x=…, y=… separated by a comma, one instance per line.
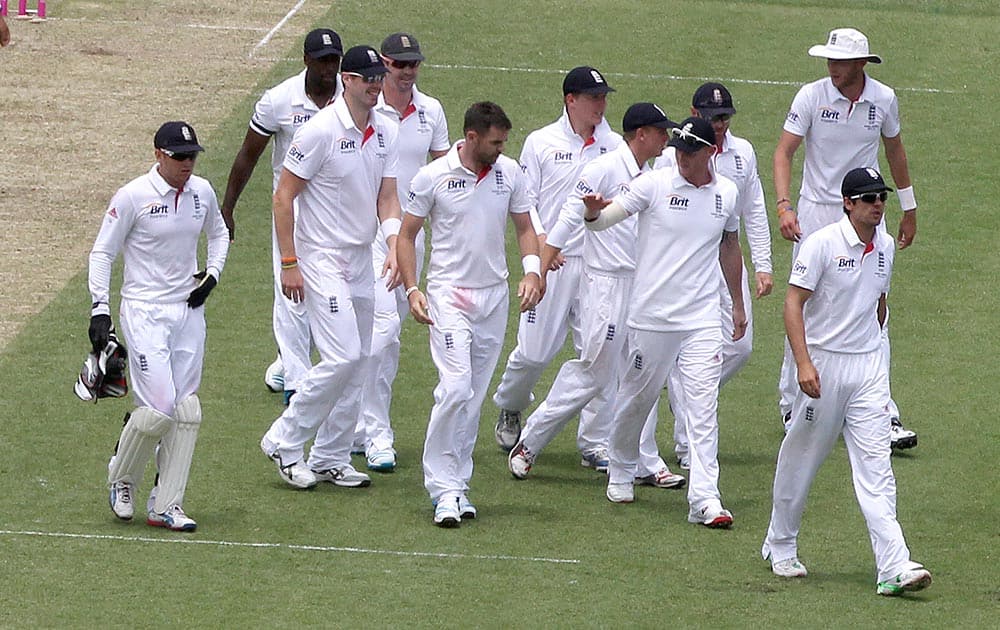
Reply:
x=550, y=551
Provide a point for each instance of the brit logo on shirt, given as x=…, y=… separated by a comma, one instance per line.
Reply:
x=562, y=157
x=829, y=114
x=347, y=145
x=677, y=202
x=300, y=118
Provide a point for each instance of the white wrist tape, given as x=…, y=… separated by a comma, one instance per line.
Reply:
x=906, y=198
x=390, y=227
x=532, y=264
x=411, y=290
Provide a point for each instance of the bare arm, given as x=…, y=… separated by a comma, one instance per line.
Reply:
x=788, y=221
x=388, y=208
x=406, y=256
x=243, y=166
x=895, y=154
x=289, y=187
x=795, y=329
x=731, y=261
x=530, y=287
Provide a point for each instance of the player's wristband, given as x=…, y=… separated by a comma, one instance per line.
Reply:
x=411, y=290
x=906, y=199
x=532, y=264
x=390, y=227
x=100, y=308
x=781, y=210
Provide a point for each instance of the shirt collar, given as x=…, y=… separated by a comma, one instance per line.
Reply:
x=866, y=92
x=849, y=233
x=160, y=185
x=678, y=179
x=600, y=131
x=344, y=115
x=625, y=153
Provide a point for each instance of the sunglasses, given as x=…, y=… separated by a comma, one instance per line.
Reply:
x=871, y=197
x=399, y=65
x=375, y=78
x=721, y=118
x=180, y=157
x=688, y=138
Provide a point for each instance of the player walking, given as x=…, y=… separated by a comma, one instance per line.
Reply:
x=155, y=222
x=834, y=312
x=467, y=196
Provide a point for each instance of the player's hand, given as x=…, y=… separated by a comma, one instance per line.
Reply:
x=530, y=291
x=788, y=223
x=292, y=284
x=557, y=261
x=206, y=282
x=907, y=229
x=418, y=307
x=765, y=284
x=809, y=380
x=594, y=204
x=739, y=322
x=99, y=332
x=230, y=221
x=390, y=269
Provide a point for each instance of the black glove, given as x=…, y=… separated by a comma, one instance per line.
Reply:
x=205, y=286
x=100, y=330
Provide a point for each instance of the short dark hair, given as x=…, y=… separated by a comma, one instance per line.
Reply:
x=483, y=115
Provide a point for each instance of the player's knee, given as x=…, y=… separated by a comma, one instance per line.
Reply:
x=188, y=411
x=149, y=421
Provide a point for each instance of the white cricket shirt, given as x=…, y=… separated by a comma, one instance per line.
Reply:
x=676, y=286
x=157, y=229
x=611, y=250
x=468, y=217
x=345, y=166
x=840, y=135
x=847, y=277
x=280, y=111
x=552, y=158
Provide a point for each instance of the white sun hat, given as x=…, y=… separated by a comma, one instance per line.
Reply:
x=845, y=43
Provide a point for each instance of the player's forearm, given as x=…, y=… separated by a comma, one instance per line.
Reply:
x=99, y=280
x=795, y=328
x=605, y=218
x=284, y=224
x=731, y=261
x=239, y=175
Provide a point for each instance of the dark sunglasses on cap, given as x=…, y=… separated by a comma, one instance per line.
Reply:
x=395, y=63
x=721, y=118
x=180, y=157
x=870, y=197
x=375, y=78
x=689, y=138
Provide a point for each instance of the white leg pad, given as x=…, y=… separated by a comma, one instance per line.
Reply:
x=174, y=457
x=143, y=430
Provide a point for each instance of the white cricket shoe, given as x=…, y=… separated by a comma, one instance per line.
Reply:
x=621, y=492
x=296, y=474
x=900, y=438
x=466, y=510
x=121, y=500
x=173, y=519
x=381, y=460
x=596, y=459
x=712, y=515
x=789, y=568
x=684, y=461
x=274, y=376
x=915, y=579
x=508, y=429
x=662, y=478
x=345, y=477
x=447, y=513
x=520, y=461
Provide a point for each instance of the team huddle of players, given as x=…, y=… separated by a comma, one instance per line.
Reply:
x=630, y=242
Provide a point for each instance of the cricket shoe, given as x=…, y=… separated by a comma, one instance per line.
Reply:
x=381, y=460
x=620, y=492
x=466, y=510
x=789, y=568
x=520, y=461
x=274, y=376
x=447, y=513
x=662, y=478
x=596, y=459
x=915, y=579
x=121, y=500
x=345, y=477
x=901, y=438
x=173, y=519
x=713, y=516
x=684, y=461
x=508, y=429
x=296, y=474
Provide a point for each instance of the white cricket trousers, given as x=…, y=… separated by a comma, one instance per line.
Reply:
x=541, y=333
x=465, y=341
x=697, y=357
x=812, y=217
x=166, y=350
x=290, y=323
x=854, y=390
x=374, y=428
x=735, y=355
x=339, y=300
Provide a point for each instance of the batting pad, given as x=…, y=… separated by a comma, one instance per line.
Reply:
x=174, y=456
x=143, y=430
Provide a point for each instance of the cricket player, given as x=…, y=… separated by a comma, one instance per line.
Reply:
x=552, y=158
x=341, y=166
x=278, y=114
x=841, y=118
x=467, y=196
x=155, y=221
x=834, y=314
x=687, y=231
x=609, y=267
x=736, y=160
x=423, y=132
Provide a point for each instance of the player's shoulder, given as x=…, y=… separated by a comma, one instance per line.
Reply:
x=200, y=185
x=428, y=102
x=878, y=91
x=287, y=90
x=507, y=164
x=726, y=185
x=742, y=146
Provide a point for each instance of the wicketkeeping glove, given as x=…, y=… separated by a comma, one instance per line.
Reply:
x=206, y=283
x=100, y=329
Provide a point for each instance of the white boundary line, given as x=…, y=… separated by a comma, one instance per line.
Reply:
x=666, y=77
x=277, y=27
x=211, y=27
x=265, y=545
